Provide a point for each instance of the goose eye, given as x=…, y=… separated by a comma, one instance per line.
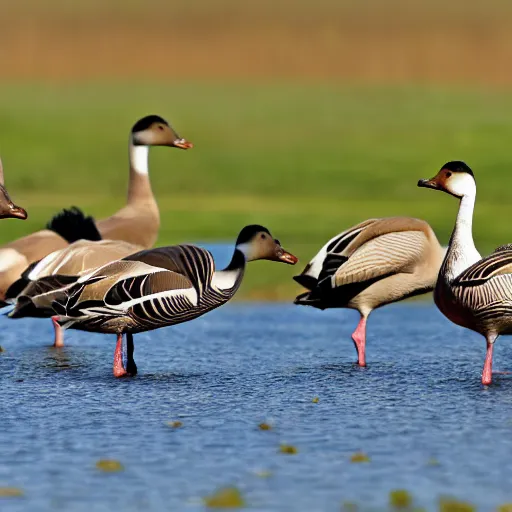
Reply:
x=448, y=174
x=262, y=235
x=277, y=241
x=160, y=127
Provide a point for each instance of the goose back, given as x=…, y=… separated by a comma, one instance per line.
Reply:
x=136, y=223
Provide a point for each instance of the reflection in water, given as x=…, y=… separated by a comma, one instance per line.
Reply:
x=59, y=359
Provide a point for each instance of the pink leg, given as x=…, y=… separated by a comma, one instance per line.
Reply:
x=359, y=337
x=59, y=335
x=487, y=373
x=119, y=369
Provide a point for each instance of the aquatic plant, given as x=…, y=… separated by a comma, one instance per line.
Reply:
x=11, y=492
x=109, y=465
x=288, y=449
x=447, y=504
x=227, y=497
x=400, y=499
x=359, y=457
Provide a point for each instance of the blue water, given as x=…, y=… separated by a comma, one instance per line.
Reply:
x=419, y=399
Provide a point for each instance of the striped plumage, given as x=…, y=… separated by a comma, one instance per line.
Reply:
x=145, y=291
x=155, y=288
x=40, y=282
x=472, y=291
x=370, y=265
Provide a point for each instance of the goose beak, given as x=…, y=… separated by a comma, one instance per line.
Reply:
x=17, y=212
x=431, y=183
x=183, y=144
x=287, y=257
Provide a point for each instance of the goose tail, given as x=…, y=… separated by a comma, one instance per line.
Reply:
x=72, y=225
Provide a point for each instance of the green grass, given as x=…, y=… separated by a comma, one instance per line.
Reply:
x=307, y=161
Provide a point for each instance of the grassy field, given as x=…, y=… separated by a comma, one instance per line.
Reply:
x=307, y=161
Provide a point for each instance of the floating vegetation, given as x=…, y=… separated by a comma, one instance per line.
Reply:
x=109, y=465
x=265, y=426
x=228, y=497
x=265, y=474
x=11, y=492
x=433, y=462
x=506, y=507
x=288, y=449
x=400, y=499
x=349, y=506
x=453, y=505
x=175, y=424
x=359, y=457
x=315, y=400
x=1, y=349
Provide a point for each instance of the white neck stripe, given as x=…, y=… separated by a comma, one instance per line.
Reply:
x=139, y=159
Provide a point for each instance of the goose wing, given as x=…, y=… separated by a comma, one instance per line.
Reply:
x=496, y=264
x=194, y=263
x=154, y=287
x=336, y=245
x=76, y=259
x=384, y=255
x=379, y=253
x=80, y=257
x=374, y=248
x=485, y=287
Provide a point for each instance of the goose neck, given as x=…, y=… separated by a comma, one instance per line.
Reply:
x=462, y=252
x=139, y=187
x=230, y=277
x=464, y=222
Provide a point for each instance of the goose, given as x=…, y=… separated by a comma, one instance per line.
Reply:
x=155, y=288
x=139, y=221
x=8, y=210
x=374, y=263
x=472, y=291
x=62, y=268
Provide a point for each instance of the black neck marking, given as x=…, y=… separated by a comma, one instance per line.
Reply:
x=237, y=261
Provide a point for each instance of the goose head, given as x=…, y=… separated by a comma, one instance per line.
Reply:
x=155, y=131
x=8, y=210
x=256, y=243
x=455, y=178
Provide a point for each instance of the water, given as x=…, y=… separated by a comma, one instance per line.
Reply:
x=419, y=399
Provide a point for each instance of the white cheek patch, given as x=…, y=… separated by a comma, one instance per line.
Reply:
x=245, y=249
x=461, y=184
x=139, y=159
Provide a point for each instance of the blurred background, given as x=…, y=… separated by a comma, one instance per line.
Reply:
x=307, y=117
